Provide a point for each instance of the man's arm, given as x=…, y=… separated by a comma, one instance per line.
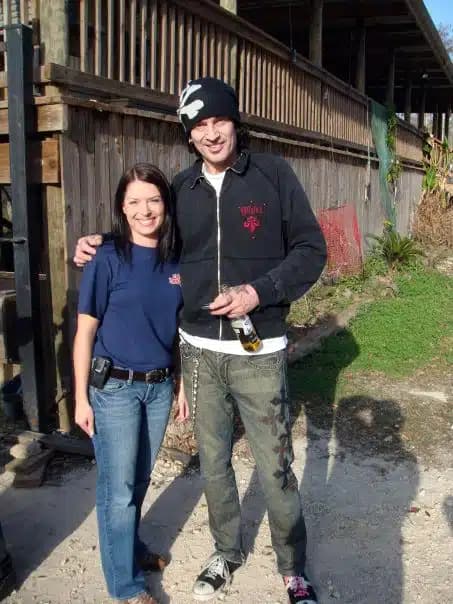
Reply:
x=306, y=248
x=86, y=249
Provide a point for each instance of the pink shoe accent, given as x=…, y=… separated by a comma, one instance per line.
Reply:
x=298, y=585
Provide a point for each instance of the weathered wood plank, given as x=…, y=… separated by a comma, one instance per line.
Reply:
x=58, y=442
x=45, y=162
x=105, y=88
x=58, y=367
x=98, y=38
x=143, y=37
x=48, y=118
x=132, y=40
x=110, y=38
x=84, y=35
x=122, y=40
x=153, y=44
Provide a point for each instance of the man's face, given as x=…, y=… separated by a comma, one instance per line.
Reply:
x=215, y=139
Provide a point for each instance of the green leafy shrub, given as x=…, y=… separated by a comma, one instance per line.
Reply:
x=397, y=250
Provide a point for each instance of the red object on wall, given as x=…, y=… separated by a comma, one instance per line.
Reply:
x=344, y=243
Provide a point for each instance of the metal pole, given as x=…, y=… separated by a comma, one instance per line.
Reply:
x=25, y=220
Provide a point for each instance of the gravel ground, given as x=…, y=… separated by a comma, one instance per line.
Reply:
x=379, y=530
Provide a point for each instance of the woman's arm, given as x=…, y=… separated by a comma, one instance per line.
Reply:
x=83, y=348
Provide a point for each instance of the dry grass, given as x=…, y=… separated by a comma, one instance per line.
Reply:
x=433, y=224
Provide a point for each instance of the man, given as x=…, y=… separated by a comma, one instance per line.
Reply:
x=244, y=222
x=7, y=575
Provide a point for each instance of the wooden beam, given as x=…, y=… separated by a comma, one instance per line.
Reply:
x=230, y=5
x=360, y=76
x=38, y=77
x=408, y=100
x=72, y=79
x=54, y=30
x=57, y=267
x=316, y=32
x=45, y=162
x=48, y=118
x=390, y=93
x=421, y=111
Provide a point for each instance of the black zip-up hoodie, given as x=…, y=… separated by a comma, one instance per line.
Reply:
x=260, y=231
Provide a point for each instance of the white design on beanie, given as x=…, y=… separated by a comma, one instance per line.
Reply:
x=192, y=109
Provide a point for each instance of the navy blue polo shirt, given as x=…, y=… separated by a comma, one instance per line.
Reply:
x=137, y=305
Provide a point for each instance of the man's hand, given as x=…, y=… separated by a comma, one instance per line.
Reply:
x=86, y=249
x=236, y=301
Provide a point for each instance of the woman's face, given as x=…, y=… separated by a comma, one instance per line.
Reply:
x=144, y=211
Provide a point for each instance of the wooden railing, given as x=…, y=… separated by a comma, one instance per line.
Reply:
x=161, y=44
x=18, y=11
x=409, y=142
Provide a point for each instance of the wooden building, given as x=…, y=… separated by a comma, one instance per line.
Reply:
x=107, y=74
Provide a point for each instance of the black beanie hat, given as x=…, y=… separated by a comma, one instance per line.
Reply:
x=204, y=98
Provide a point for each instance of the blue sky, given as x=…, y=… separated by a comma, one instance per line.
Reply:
x=441, y=11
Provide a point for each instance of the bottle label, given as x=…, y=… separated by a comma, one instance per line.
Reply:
x=243, y=324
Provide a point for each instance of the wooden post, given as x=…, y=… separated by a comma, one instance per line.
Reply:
x=55, y=224
x=447, y=124
x=421, y=111
x=360, y=74
x=390, y=95
x=316, y=32
x=439, y=125
x=408, y=100
x=54, y=31
x=230, y=5
x=435, y=123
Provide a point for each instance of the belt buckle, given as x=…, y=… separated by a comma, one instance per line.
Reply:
x=155, y=376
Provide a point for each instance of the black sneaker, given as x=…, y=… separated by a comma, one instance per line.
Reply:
x=7, y=577
x=300, y=590
x=215, y=576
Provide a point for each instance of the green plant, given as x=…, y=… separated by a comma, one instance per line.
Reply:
x=437, y=159
x=397, y=250
x=430, y=181
x=394, y=169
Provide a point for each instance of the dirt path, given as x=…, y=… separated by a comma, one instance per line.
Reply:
x=380, y=528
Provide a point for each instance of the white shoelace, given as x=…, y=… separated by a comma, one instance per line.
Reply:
x=217, y=566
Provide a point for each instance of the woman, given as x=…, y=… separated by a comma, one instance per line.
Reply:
x=127, y=323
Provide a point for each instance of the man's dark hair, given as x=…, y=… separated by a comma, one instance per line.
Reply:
x=242, y=135
x=166, y=244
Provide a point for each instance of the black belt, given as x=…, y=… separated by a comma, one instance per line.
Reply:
x=154, y=376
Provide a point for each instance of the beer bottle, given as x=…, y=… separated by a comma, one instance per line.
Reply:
x=243, y=328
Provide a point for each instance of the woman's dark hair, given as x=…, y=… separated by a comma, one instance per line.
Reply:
x=166, y=245
x=242, y=136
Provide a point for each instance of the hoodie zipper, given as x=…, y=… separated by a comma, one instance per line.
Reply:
x=219, y=242
x=219, y=239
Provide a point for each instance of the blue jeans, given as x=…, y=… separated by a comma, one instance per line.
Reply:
x=258, y=386
x=130, y=422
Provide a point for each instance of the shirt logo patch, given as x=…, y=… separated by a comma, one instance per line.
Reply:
x=252, y=224
x=253, y=216
x=175, y=279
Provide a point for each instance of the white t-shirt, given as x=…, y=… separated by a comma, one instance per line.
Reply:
x=230, y=346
